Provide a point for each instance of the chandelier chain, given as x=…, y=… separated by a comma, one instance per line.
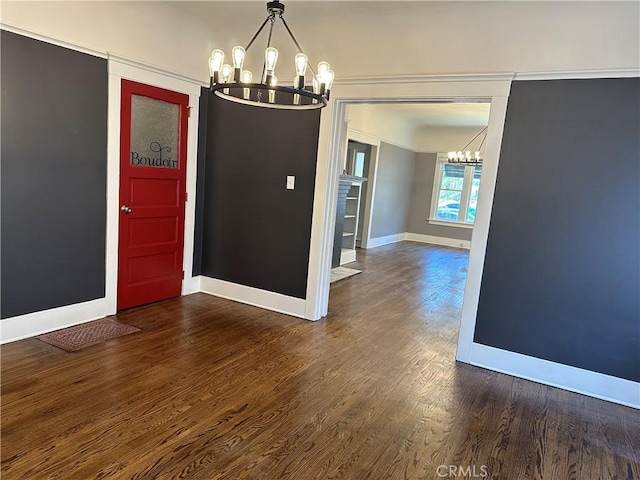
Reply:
x=256, y=35
x=479, y=133
x=284, y=22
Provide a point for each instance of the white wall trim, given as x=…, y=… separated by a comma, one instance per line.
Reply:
x=253, y=296
x=386, y=240
x=191, y=285
x=578, y=74
x=444, y=78
x=574, y=379
x=374, y=142
x=119, y=65
x=434, y=240
x=53, y=41
x=333, y=127
x=480, y=232
x=37, y=323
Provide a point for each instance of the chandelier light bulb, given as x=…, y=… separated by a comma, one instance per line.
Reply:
x=226, y=73
x=322, y=75
x=301, y=62
x=247, y=76
x=215, y=64
x=477, y=155
x=270, y=60
x=328, y=77
x=460, y=155
x=237, y=54
x=272, y=93
x=468, y=155
x=323, y=68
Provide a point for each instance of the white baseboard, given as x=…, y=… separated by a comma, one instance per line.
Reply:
x=37, y=323
x=347, y=256
x=253, y=296
x=443, y=241
x=191, y=285
x=586, y=382
x=378, y=242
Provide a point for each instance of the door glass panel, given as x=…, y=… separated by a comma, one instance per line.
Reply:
x=154, y=132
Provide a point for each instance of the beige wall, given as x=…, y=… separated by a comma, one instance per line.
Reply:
x=371, y=120
x=445, y=139
x=152, y=33
x=358, y=38
x=421, y=37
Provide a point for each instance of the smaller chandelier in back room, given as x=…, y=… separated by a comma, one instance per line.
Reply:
x=233, y=83
x=464, y=156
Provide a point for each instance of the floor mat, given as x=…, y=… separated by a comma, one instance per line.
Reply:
x=87, y=334
x=339, y=273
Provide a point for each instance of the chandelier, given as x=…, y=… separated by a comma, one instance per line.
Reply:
x=233, y=83
x=463, y=157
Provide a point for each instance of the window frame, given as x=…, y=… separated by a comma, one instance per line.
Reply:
x=465, y=196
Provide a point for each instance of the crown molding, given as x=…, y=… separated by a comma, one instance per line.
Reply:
x=580, y=74
x=440, y=78
x=133, y=63
x=53, y=41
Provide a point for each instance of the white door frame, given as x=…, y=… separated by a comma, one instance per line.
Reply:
x=333, y=131
x=374, y=143
x=488, y=88
x=120, y=68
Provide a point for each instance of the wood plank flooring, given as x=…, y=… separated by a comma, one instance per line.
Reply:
x=212, y=389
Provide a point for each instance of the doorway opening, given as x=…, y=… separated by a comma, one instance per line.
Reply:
x=411, y=193
x=437, y=89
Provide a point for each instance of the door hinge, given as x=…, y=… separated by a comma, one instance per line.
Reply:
x=186, y=196
x=183, y=274
x=189, y=107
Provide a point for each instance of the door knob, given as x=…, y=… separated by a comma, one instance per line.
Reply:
x=125, y=209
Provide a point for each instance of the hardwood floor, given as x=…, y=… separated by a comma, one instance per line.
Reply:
x=212, y=389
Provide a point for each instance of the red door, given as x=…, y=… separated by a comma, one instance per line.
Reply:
x=153, y=153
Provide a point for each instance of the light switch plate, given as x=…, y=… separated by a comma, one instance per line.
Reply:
x=291, y=182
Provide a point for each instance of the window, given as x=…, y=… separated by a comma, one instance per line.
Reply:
x=455, y=193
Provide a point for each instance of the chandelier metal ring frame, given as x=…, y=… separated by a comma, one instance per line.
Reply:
x=234, y=84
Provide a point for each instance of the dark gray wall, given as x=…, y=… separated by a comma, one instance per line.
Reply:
x=202, y=163
x=255, y=231
x=561, y=276
x=54, y=161
x=420, y=202
x=392, y=191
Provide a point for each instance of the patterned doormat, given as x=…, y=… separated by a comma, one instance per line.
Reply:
x=87, y=334
x=339, y=273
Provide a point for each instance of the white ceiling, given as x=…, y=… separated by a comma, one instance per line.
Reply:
x=246, y=17
x=441, y=114
x=420, y=115
x=254, y=12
